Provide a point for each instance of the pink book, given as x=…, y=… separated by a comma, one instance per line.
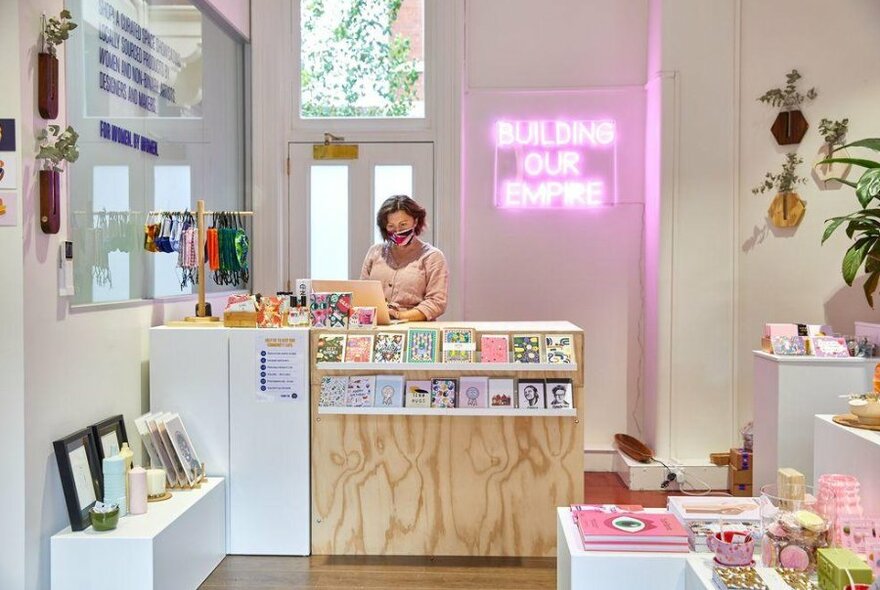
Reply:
x=494, y=349
x=640, y=547
x=631, y=529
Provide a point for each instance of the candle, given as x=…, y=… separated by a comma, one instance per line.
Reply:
x=155, y=482
x=137, y=488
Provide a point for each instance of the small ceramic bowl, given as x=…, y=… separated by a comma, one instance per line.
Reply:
x=868, y=412
x=104, y=521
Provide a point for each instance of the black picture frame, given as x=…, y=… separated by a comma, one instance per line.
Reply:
x=106, y=426
x=78, y=445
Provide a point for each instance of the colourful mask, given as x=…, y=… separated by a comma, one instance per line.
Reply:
x=402, y=238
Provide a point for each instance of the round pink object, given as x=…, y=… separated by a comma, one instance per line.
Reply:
x=794, y=557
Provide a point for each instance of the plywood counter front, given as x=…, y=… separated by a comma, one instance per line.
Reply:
x=446, y=484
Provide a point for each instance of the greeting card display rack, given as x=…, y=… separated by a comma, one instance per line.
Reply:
x=203, y=308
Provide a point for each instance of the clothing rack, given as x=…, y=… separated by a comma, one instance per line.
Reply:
x=203, y=314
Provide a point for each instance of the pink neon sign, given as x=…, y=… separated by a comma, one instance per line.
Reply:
x=555, y=164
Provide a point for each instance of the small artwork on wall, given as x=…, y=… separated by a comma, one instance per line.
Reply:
x=8, y=209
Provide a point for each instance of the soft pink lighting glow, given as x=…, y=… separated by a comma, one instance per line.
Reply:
x=569, y=164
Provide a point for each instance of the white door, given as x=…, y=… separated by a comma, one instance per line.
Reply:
x=333, y=203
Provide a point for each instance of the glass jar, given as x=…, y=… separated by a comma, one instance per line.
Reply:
x=793, y=529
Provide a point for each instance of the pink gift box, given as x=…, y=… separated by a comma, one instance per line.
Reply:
x=771, y=330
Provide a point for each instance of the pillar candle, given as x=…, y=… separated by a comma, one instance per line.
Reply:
x=156, y=482
x=137, y=488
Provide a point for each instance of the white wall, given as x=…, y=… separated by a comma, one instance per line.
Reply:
x=582, y=266
x=788, y=276
x=12, y=396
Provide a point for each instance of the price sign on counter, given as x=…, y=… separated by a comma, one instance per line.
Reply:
x=279, y=369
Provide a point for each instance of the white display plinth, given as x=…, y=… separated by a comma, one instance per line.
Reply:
x=788, y=392
x=850, y=451
x=174, y=546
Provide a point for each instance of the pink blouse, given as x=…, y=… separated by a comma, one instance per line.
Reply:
x=418, y=281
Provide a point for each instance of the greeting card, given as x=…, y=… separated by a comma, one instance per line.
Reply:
x=788, y=345
x=494, y=348
x=418, y=394
x=501, y=393
x=531, y=394
x=459, y=345
x=559, y=348
x=360, y=392
x=362, y=317
x=443, y=393
x=559, y=394
x=388, y=347
x=333, y=391
x=389, y=391
x=827, y=346
x=421, y=345
x=473, y=392
x=527, y=348
x=331, y=348
x=359, y=348
x=329, y=310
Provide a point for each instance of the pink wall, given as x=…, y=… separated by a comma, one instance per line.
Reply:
x=576, y=265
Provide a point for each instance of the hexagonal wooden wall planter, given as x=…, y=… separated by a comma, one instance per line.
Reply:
x=786, y=210
x=789, y=127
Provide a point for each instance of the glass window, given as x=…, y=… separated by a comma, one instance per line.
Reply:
x=110, y=269
x=362, y=59
x=389, y=181
x=328, y=222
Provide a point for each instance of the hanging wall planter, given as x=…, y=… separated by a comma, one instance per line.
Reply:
x=790, y=125
x=56, y=147
x=55, y=32
x=787, y=208
x=834, y=134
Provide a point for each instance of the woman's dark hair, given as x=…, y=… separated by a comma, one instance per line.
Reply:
x=405, y=204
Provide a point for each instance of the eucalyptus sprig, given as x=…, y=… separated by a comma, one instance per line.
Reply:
x=786, y=180
x=57, y=146
x=834, y=132
x=57, y=30
x=788, y=98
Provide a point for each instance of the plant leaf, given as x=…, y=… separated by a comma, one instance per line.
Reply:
x=832, y=226
x=868, y=186
x=871, y=286
x=842, y=181
x=872, y=143
x=853, y=260
x=854, y=161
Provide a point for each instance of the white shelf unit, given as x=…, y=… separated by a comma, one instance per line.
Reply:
x=449, y=412
x=457, y=367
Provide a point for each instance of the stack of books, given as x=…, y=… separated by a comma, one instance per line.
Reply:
x=631, y=531
x=703, y=516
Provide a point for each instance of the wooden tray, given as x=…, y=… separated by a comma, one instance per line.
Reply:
x=853, y=422
x=634, y=448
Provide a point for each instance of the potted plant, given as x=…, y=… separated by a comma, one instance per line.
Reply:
x=56, y=147
x=55, y=32
x=787, y=209
x=863, y=225
x=834, y=136
x=790, y=125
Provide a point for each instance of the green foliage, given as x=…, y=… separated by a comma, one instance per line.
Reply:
x=862, y=226
x=786, y=180
x=57, y=30
x=57, y=146
x=834, y=132
x=353, y=64
x=788, y=98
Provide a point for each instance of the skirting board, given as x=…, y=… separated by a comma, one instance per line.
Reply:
x=599, y=459
x=648, y=476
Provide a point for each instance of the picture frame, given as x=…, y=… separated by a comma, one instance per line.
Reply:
x=80, y=472
x=109, y=435
x=182, y=445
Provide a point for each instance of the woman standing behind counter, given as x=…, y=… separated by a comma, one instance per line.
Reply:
x=413, y=273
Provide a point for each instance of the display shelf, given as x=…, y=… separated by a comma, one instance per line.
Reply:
x=449, y=412
x=809, y=359
x=471, y=367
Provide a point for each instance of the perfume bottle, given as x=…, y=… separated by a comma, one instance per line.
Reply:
x=299, y=312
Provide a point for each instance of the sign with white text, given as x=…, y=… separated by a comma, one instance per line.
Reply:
x=555, y=164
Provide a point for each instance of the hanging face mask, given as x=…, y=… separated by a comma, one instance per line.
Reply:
x=402, y=238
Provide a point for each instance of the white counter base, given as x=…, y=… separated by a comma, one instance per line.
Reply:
x=174, y=546
x=850, y=451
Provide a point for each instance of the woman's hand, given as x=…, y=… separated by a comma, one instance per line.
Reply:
x=411, y=315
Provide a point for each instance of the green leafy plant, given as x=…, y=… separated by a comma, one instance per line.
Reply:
x=784, y=182
x=862, y=226
x=834, y=132
x=353, y=63
x=56, y=31
x=57, y=146
x=788, y=98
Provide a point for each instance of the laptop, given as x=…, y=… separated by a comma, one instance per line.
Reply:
x=363, y=294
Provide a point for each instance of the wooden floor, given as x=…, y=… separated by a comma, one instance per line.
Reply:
x=413, y=573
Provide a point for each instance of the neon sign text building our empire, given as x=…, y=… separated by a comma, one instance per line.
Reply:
x=541, y=164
